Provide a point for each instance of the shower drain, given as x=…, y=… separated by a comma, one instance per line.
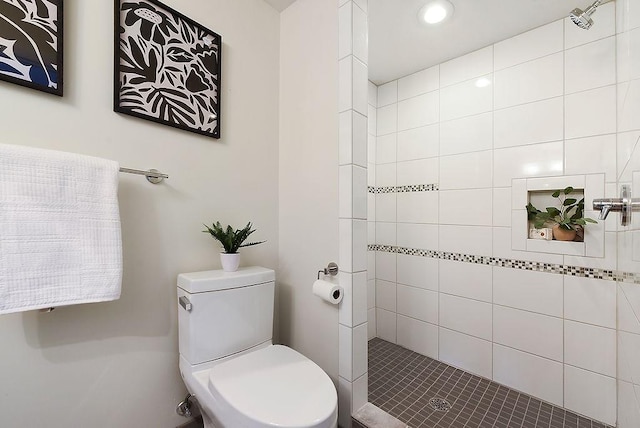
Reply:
x=440, y=405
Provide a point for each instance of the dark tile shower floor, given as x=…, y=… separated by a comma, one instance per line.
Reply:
x=402, y=383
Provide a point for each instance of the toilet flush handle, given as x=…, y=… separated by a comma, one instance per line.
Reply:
x=185, y=303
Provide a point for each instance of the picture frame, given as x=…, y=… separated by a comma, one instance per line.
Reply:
x=31, y=44
x=166, y=67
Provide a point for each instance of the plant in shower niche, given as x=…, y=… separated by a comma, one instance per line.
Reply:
x=232, y=240
x=565, y=220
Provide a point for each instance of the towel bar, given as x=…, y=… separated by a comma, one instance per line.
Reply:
x=153, y=175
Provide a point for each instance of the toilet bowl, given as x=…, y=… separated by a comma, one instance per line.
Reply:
x=227, y=360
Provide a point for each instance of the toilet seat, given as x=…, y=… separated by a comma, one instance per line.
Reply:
x=274, y=387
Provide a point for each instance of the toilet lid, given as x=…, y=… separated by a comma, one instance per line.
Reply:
x=274, y=387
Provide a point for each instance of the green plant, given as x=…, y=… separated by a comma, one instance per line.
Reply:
x=231, y=240
x=570, y=215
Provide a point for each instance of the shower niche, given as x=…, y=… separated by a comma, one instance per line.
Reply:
x=538, y=191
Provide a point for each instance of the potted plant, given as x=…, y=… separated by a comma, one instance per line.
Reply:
x=566, y=220
x=231, y=240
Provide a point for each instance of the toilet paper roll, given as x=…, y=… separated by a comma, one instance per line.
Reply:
x=327, y=291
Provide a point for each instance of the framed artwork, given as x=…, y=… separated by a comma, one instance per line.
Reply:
x=167, y=67
x=31, y=35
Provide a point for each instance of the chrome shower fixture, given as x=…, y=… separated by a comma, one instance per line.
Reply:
x=583, y=18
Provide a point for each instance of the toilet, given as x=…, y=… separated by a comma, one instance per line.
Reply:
x=227, y=359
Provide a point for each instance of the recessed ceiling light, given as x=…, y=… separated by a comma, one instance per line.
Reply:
x=435, y=11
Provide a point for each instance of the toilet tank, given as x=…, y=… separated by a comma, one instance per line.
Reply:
x=230, y=312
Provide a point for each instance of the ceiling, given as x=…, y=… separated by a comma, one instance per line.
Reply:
x=280, y=5
x=399, y=45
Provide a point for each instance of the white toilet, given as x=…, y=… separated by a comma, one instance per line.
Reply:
x=227, y=360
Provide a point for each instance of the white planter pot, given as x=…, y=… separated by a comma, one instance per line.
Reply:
x=230, y=262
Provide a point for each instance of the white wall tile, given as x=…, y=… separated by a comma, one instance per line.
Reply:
x=527, y=161
x=418, y=271
x=386, y=174
x=628, y=299
x=371, y=293
x=360, y=91
x=345, y=79
x=628, y=106
x=527, y=331
x=418, y=143
x=386, y=295
x=386, y=207
x=386, y=266
x=418, y=336
x=502, y=206
x=418, y=303
x=385, y=233
x=345, y=181
x=469, y=134
x=345, y=229
x=466, y=67
x=627, y=16
x=420, y=171
x=359, y=393
x=589, y=300
x=537, y=122
x=529, y=373
x=360, y=35
x=628, y=405
x=386, y=149
x=388, y=93
x=418, y=207
x=359, y=358
x=466, y=280
x=466, y=316
x=359, y=249
x=627, y=59
x=371, y=155
x=419, y=83
x=373, y=94
x=345, y=137
x=359, y=193
x=386, y=325
x=590, y=347
x=590, y=66
x=533, y=44
x=345, y=393
x=423, y=236
x=418, y=111
x=475, y=240
x=532, y=81
x=590, y=394
x=345, y=28
x=359, y=140
x=590, y=113
x=454, y=207
x=466, y=99
x=466, y=171
x=539, y=292
x=466, y=352
x=591, y=155
x=345, y=340
x=628, y=361
x=575, y=36
x=371, y=324
x=387, y=119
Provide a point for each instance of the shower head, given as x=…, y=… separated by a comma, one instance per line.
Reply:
x=583, y=18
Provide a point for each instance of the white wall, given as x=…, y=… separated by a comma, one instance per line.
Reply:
x=308, y=180
x=116, y=364
x=549, y=110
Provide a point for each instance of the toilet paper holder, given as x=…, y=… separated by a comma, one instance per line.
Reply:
x=331, y=269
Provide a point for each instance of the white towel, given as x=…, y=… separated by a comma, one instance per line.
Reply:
x=60, y=240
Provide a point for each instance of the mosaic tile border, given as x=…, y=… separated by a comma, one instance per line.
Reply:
x=583, y=272
x=404, y=189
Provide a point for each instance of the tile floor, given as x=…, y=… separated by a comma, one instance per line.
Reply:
x=403, y=382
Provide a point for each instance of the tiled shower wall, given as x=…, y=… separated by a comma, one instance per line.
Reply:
x=443, y=278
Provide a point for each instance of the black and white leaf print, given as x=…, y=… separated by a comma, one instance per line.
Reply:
x=29, y=41
x=168, y=67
